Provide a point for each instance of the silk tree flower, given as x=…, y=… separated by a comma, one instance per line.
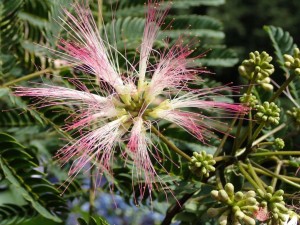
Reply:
x=122, y=109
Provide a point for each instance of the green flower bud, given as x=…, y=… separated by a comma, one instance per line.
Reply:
x=248, y=220
x=239, y=215
x=257, y=67
x=249, y=100
x=224, y=217
x=270, y=189
x=268, y=113
x=213, y=212
x=280, y=192
x=240, y=206
x=293, y=62
x=274, y=203
x=250, y=194
x=223, y=196
x=201, y=164
x=214, y=194
x=279, y=143
x=238, y=196
x=229, y=188
x=295, y=114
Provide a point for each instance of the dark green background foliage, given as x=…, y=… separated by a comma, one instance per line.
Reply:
x=31, y=181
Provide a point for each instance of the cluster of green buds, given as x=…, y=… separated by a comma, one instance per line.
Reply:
x=279, y=143
x=293, y=62
x=274, y=203
x=268, y=113
x=201, y=164
x=295, y=114
x=239, y=207
x=258, y=69
x=250, y=100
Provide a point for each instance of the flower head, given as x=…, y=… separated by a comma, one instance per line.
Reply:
x=123, y=110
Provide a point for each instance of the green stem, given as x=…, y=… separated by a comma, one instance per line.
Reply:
x=247, y=176
x=219, y=149
x=32, y=75
x=169, y=143
x=275, y=153
x=223, y=158
x=282, y=87
x=256, y=132
x=270, y=133
x=277, y=171
x=27, y=77
x=270, y=175
x=218, y=180
x=92, y=193
x=276, y=175
x=255, y=177
x=237, y=140
x=250, y=127
x=100, y=17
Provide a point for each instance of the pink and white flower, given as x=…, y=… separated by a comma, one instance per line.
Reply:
x=127, y=106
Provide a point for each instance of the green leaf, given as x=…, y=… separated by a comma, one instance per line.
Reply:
x=11, y=214
x=283, y=43
x=27, y=180
x=219, y=56
x=193, y=25
x=93, y=221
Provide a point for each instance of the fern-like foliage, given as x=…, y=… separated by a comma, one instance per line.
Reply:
x=11, y=214
x=19, y=166
x=283, y=43
x=92, y=221
x=127, y=29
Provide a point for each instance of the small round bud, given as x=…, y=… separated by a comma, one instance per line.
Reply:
x=223, y=196
x=268, y=113
x=279, y=143
x=201, y=164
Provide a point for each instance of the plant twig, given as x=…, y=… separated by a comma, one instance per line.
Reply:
x=169, y=143
x=283, y=86
x=277, y=171
x=92, y=193
x=282, y=178
x=274, y=153
x=176, y=208
x=33, y=75
x=247, y=176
